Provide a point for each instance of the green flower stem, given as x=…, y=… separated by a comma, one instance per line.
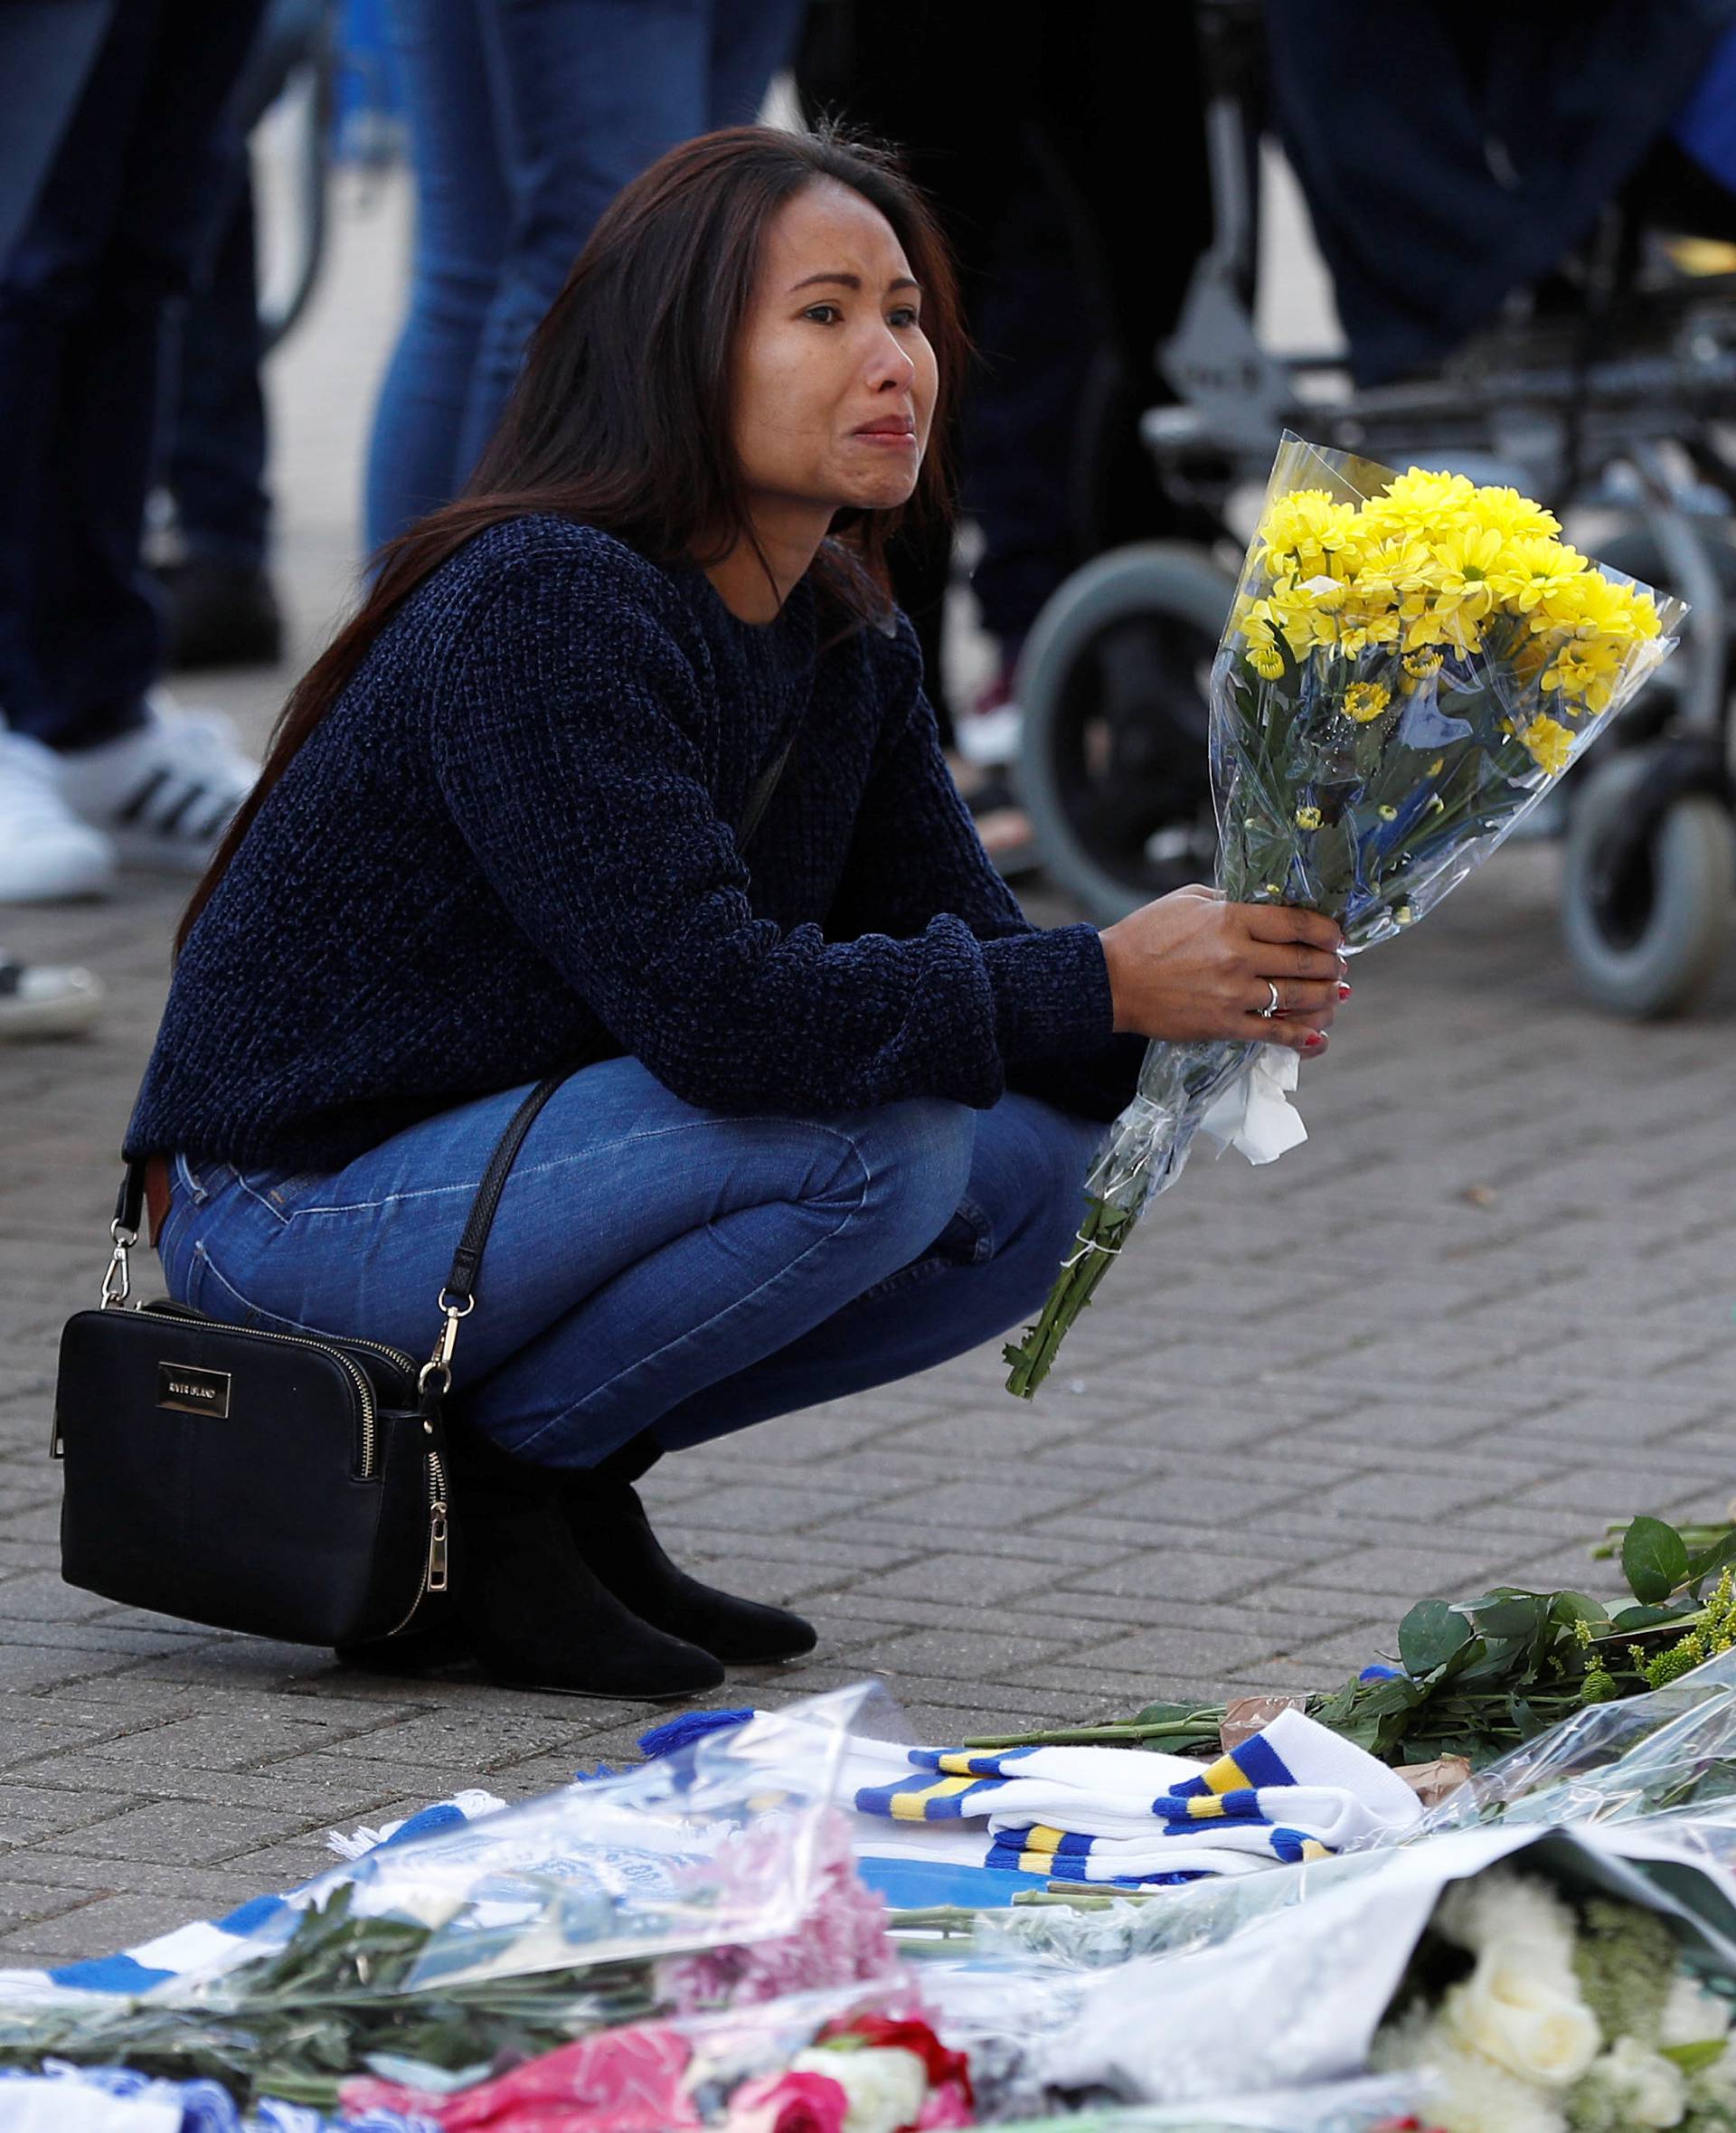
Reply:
x=938, y=1918
x=1101, y=1237
x=1083, y=1896
x=1118, y=1733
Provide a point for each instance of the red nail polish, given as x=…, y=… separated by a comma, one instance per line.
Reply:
x=1344, y=992
x=1313, y=1042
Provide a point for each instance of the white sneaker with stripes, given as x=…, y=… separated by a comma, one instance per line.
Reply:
x=46, y=854
x=165, y=794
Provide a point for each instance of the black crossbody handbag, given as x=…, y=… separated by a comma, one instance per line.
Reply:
x=293, y=1485
x=290, y=1484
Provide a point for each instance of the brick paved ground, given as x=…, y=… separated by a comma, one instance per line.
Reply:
x=1488, y=1306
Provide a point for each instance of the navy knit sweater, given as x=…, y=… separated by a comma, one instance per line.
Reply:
x=509, y=844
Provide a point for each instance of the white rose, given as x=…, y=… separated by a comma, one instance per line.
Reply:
x=1472, y=2095
x=886, y=2085
x=1528, y=2019
x=1501, y=1909
x=1693, y=2015
x=1647, y=2090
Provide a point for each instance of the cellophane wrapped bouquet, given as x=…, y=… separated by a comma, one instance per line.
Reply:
x=1411, y=663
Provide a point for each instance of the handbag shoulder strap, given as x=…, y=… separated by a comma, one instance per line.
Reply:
x=457, y=1298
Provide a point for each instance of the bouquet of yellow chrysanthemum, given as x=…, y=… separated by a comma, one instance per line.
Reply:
x=1410, y=664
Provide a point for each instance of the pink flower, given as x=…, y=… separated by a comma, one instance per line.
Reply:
x=839, y=1939
x=619, y=2081
x=788, y=2103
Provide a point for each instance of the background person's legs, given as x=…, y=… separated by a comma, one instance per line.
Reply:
x=221, y=610
x=588, y=93
x=750, y=41
x=461, y=224
x=114, y=237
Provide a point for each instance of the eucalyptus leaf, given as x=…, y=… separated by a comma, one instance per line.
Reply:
x=1430, y=1634
x=1711, y=1560
x=1513, y=1617
x=1498, y=1657
x=1631, y=1619
x=1653, y=1559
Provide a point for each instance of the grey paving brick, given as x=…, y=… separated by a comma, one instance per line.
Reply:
x=175, y=1829
x=973, y=1654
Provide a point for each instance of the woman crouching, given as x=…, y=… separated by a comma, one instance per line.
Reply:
x=841, y=1094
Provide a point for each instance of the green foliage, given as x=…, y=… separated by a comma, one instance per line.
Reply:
x=1653, y=1559
x=1624, y=1961
x=294, y=2025
x=1483, y=1676
x=1694, y=2058
x=1430, y=1634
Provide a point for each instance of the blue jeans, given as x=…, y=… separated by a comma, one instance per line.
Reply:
x=526, y=117
x=116, y=233
x=653, y=1267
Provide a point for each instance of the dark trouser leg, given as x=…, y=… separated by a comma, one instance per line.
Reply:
x=115, y=234
x=217, y=446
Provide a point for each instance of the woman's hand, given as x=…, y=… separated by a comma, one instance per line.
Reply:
x=1191, y=967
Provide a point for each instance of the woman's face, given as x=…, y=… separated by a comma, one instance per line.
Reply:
x=834, y=379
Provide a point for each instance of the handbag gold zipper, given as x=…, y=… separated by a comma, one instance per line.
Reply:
x=434, y=1566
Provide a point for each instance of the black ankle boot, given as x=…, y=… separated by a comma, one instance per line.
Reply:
x=608, y=1521
x=417, y=1651
x=536, y=1615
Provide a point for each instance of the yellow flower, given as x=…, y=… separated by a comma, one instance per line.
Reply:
x=1310, y=533
x=1265, y=658
x=1420, y=664
x=1548, y=744
x=1591, y=605
x=1358, y=629
x=1515, y=517
x=1389, y=813
x=1391, y=566
x=1308, y=818
x=1531, y=570
x=1365, y=701
x=1420, y=502
x=1303, y=620
x=1463, y=563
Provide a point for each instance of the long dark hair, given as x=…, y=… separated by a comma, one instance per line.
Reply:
x=622, y=417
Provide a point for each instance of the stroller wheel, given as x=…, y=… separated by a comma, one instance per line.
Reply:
x=1112, y=689
x=1649, y=900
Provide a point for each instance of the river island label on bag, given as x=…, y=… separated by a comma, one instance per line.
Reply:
x=194, y=1392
